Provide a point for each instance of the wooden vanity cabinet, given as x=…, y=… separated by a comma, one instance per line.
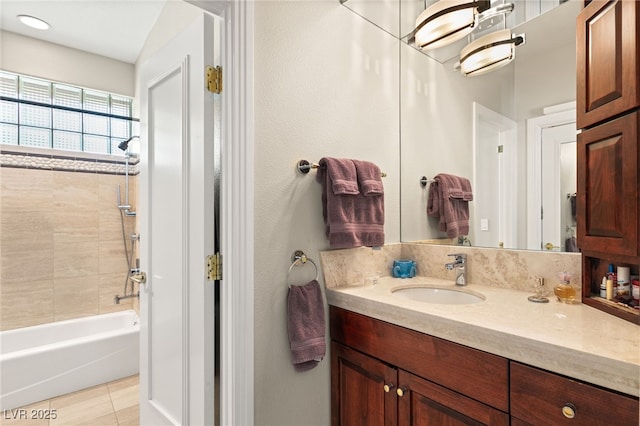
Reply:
x=440, y=382
x=540, y=397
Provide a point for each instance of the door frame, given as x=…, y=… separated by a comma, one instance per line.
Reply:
x=556, y=115
x=236, y=199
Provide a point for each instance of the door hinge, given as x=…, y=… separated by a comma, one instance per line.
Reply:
x=500, y=149
x=214, y=78
x=214, y=267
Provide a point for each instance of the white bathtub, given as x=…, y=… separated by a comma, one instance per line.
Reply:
x=48, y=360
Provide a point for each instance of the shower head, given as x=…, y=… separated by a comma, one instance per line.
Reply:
x=125, y=144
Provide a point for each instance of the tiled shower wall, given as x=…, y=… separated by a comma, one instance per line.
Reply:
x=62, y=254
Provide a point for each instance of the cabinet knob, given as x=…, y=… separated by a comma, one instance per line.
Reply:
x=569, y=410
x=401, y=391
x=388, y=387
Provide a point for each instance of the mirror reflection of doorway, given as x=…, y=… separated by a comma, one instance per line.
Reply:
x=558, y=187
x=551, y=182
x=494, y=219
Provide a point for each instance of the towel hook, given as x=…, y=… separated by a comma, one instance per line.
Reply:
x=298, y=258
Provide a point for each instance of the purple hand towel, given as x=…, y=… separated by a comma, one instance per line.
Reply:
x=305, y=323
x=342, y=173
x=351, y=220
x=449, y=198
x=369, y=178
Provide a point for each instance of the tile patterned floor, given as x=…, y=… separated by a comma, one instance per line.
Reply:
x=111, y=404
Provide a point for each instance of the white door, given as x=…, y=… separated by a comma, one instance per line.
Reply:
x=493, y=222
x=559, y=179
x=177, y=230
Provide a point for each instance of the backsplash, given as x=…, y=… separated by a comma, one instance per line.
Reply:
x=516, y=269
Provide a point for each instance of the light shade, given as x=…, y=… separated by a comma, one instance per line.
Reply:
x=489, y=52
x=34, y=22
x=447, y=21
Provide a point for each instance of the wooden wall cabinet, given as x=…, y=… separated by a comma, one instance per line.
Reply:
x=608, y=187
x=607, y=60
x=608, y=101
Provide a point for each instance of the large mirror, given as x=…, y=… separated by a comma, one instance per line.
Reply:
x=511, y=132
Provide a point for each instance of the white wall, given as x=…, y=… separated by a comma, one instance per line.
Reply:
x=37, y=58
x=326, y=85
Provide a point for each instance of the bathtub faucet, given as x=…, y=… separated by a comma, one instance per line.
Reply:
x=117, y=299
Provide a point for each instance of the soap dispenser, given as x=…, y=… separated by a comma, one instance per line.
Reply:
x=564, y=291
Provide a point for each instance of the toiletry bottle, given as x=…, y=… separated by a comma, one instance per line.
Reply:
x=624, y=285
x=564, y=291
x=610, y=288
x=603, y=287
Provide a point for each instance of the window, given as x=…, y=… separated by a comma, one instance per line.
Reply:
x=44, y=114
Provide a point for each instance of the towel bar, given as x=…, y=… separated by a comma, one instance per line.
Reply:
x=298, y=258
x=425, y=180
x=304, y=167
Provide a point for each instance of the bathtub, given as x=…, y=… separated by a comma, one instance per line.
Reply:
x=49, y=360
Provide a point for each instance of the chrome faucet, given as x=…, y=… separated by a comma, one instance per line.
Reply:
x=461, y=268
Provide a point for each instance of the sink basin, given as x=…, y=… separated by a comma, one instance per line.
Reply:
x=439, y=295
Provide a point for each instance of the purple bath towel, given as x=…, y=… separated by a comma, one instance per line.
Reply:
x=449, y=198
x=351, y=219
x=305, y=323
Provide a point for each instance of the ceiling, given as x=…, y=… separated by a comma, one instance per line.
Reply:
x=113, y=28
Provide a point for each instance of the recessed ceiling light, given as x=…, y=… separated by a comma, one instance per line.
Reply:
x=33, y=22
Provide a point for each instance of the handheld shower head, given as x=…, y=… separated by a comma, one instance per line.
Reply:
x=124, y=145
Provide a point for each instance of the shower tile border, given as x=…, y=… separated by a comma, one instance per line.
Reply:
x=21, y=157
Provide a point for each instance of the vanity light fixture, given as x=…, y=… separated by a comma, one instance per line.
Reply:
x=447, y=21
x=489, y=52
x=33, y=22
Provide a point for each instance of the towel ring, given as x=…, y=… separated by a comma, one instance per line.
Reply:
x=298, y=258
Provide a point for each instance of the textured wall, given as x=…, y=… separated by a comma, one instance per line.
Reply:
x=326, y=85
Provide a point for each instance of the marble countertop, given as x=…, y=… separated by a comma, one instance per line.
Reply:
x=574, y=340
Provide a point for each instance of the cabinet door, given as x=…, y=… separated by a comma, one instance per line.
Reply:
x=425, y=403
x=607, y=60
x=543, y=398
x=608, y=187
x=363, y=389
x=478, y=375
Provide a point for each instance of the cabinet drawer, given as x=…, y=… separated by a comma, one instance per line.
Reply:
x=476, y=374
x=538, y=397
